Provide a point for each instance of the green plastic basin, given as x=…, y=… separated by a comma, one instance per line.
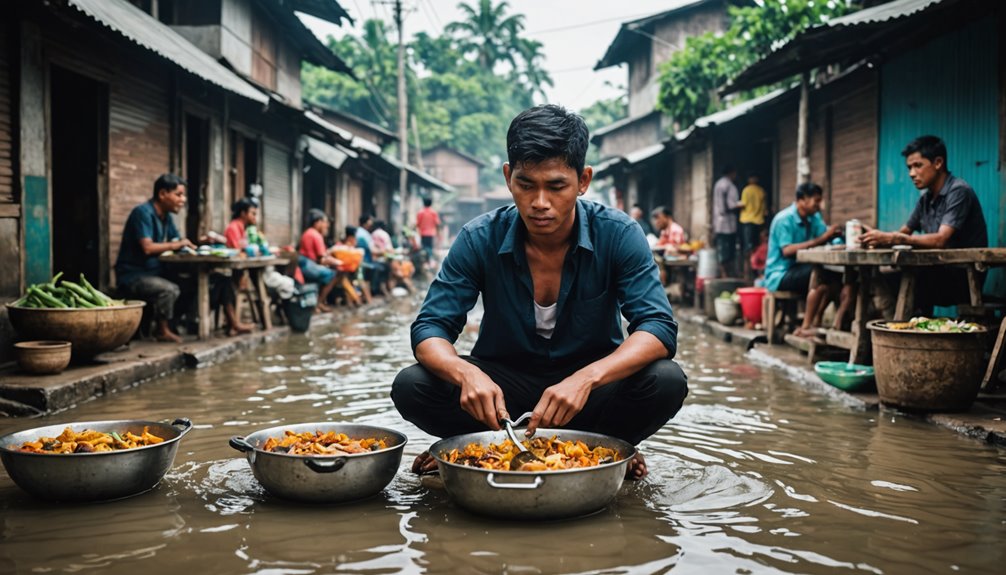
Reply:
x=844, y=376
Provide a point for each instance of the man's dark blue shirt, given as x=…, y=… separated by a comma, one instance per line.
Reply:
x=610, y=268
x=143, y=222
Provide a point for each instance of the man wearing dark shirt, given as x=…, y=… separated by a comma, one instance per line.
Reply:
x=947, y=215
x=149, y=232
x=554, y=271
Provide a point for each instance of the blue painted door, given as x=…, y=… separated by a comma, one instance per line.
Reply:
x=947, y=88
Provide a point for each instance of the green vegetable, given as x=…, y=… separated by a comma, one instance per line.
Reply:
x=98, y=296
x=45, y=298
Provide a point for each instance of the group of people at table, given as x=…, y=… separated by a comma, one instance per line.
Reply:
x=363, y=262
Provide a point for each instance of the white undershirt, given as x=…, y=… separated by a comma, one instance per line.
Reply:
x=544, y=320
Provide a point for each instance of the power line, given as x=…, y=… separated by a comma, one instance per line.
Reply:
x=585, y=24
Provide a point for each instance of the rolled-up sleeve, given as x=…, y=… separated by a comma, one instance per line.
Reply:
x=641, y=297
x=451, y=295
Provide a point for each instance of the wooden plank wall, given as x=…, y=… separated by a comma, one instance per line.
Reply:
x=854, y=156
x=6, y=121
x=138, y=146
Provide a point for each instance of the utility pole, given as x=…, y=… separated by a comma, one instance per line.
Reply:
x=403, y=120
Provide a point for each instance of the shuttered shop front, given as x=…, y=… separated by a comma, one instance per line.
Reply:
x=276, y=194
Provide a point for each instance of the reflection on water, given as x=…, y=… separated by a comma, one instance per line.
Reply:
x=755, y=475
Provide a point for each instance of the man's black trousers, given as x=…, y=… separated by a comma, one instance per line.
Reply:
x=631, y=409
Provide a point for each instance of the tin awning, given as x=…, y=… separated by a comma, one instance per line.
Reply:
x=140, y=28
x=326, y=153
x=418, y=176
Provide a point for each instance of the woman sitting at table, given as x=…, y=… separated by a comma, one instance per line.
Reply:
x=796, y=228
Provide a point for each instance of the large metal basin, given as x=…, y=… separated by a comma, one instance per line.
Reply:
x=927, y=371
x=323, y=479
x=533, y=494
x=92, y=476
x=91, y=331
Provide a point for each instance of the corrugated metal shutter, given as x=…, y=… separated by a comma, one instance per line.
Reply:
x=947, y=88
x=6, y=127
x=276, y=194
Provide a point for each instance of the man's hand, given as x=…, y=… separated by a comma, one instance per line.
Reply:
x=560, y=403
x=330, y=261
x=182, y=243
x=483, y=399
x=834, y=230
x=877, y=238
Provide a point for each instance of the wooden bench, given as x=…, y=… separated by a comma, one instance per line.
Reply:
x=784, y=303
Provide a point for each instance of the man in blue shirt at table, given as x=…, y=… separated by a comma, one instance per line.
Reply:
x=554, y=271
x=149, y=232
x=799, y=227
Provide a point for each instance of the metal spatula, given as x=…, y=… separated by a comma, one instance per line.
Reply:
x=524, y=456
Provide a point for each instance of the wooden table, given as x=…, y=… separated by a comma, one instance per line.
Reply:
x=205, y=265
x=868, y=262
x=687, y=266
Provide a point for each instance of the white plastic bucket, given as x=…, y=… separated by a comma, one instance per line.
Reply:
x=708, y=267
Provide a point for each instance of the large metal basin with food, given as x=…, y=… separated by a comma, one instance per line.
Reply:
x=93, y=476
x=533, y=494
x=323, y=479
x=90, y=330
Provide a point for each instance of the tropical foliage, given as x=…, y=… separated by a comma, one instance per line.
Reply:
x=690, y=77
x=464, y=85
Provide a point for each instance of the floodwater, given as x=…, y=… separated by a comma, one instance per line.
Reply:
x=755, y=475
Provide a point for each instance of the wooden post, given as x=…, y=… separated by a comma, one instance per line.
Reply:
x=802, y=138
x=403, y=112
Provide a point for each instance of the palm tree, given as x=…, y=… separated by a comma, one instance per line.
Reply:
x=489, y=32
x=535, y=75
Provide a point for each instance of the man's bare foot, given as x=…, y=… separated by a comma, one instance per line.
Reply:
x=424, y=463
x=322, y=308
x=168, y=336
x=807, y=333
x=240, y=329
x=636, y=469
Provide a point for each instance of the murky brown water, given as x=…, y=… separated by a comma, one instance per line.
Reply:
x=755, y=475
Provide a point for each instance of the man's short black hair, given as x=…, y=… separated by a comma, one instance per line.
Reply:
x=427, y=201
x=380, y=225
x=241, y=206
x=167, y=182
x=547, y=132
x=808, y=189
x=661, y=210
x=930, y=147
x=350, y=231
x=315, y=215
x=728, y=169
x=365, y=218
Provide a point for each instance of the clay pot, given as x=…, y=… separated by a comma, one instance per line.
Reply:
x=43, y=357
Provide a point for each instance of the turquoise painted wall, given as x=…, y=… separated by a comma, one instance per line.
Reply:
x=947, y=88
x=37, y=236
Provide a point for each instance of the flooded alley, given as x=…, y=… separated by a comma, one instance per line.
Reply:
x=756, y=474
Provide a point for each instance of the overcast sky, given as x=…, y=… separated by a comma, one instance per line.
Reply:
x=575, y=34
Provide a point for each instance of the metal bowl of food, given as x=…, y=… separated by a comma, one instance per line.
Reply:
x=94, y=475
x=323, y=478
x=533, y=494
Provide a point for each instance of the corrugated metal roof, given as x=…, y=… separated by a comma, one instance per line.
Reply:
x=353, y=140
x=605, y=130
x=731, y=113
x=326, y=153
x=881, y=13
x=644, y=154
x=140, y=28
x=416, y=172
x=854, y=37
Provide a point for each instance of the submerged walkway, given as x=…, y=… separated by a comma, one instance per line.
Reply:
x=986, y=420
